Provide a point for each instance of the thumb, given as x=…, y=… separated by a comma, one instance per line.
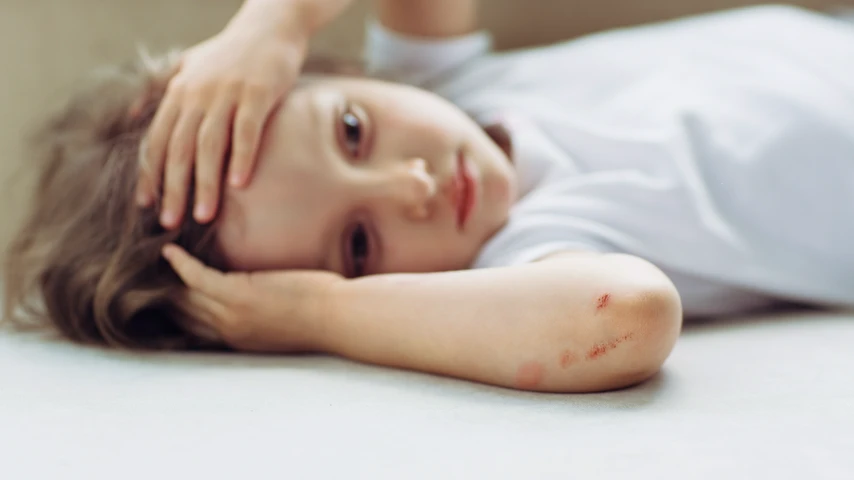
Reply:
x=196, y=275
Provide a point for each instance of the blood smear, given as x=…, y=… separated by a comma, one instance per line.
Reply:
x=601, y=349
x=602, y=301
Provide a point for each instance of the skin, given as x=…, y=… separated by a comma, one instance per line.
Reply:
x=226, y=88
x=428, y=18
x=346, y=161
x=527, y=327
x=222, y=93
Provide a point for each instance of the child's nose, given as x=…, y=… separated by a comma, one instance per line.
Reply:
x=411, y=187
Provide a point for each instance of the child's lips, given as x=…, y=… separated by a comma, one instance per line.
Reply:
x=465, y=188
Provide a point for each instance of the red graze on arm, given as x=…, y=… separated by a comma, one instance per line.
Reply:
x=601, y=349
x=567, y=358
x=529, y=375
x=602, y=302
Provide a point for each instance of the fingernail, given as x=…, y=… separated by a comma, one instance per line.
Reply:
x=201, y=212
x=167, y=218
x=236, y=180
x=142, y=199
x=169, y=252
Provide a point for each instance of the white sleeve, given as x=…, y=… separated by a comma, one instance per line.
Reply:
x=529, y=238
x=416, y=60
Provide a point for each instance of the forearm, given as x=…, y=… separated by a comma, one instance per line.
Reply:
x=582, y=324
x=428, y=18
x=287, y=16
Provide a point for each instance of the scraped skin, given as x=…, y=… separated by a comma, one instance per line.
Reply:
x=602, y=302
x=567, y=359
x=601, y=349
x=530, y=375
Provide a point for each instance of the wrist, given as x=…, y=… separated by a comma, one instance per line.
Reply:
x=321, y=309
x=289, y=19
x=284, y=19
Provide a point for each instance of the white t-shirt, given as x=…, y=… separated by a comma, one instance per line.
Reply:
x=719, y=147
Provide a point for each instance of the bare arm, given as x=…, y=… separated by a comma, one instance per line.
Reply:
x=428, y=18
x=306, y=15
x=571, y=323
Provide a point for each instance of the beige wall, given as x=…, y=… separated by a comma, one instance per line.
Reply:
x=47, y=44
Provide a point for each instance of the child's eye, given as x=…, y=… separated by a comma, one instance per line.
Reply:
x=351, y=132
x=358, y=246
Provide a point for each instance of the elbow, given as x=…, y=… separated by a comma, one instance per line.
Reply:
x=628, y=346
x=618, y=339
x=652, y=316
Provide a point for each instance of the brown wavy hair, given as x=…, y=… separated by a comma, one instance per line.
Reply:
x=86, y=259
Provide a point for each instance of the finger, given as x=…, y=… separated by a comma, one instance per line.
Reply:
x=144, y=187
x=210, y=157
x=251, y=116
x=153, y=155
x=196, y=275
x=208, y=312
x=179, y=167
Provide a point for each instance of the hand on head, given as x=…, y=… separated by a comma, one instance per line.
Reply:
x=272, y=311
x=219, y=100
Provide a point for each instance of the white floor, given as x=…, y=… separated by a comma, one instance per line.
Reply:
x=757, y=398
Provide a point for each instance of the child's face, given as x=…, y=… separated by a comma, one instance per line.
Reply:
x=360, y=177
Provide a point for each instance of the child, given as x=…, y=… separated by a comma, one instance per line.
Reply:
x=548, y=239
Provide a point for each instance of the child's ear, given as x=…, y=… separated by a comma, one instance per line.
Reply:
x=324, y=65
